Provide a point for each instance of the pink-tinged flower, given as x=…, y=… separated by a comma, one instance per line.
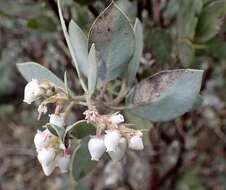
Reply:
x=90, y=115
x=42, y=109
x=41, y=139
x=96, y=147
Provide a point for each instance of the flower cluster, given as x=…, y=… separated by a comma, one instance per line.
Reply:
x=113, y=136
x=51, y=151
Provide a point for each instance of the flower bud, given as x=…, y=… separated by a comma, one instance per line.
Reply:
x=56, y=120
x=120, y=151
x=32, y=91
x=42, y=109
x=111, y=140
x=48, y=169
x=96, y=147
x=46, y=156
x=63, y=163
x=136, y=143
x=117, y=118
x=41, y=139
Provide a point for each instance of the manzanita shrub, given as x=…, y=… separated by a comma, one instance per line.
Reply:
x=106, y=63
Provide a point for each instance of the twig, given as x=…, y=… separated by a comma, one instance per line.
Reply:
x=122, y=93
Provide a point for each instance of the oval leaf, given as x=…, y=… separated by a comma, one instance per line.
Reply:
x=210, y=20
x=114, y=39
x=79, y=44
x=81, y=163
x=166, y=95
x=80, y=129
x=92, y=77
x=32, y=70
x=135, y=61
x=57, y=131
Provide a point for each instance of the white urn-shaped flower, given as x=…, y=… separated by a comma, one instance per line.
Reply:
x=119, y=153
x=96, y=147
x=112, y=139
x=136, y=142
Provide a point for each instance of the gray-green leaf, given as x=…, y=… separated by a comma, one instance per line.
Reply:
x=165, y=95
x=79, y=43
x=32, y=70
x=114, y=39
x=81, y=163
x=92, y=68
x=135, y=61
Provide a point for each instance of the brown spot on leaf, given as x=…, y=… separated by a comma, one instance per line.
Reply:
x=102, y=29
x=153, y=87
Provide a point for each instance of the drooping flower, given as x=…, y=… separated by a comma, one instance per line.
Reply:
x=32, y=91
x=57, y=120
x=96, y=147
x=112, y=139
x=41, y=139
x=120, y=151
x=136, y=142
x=51, y=152
x=63, y=163
x=46, y=156
x=48, y=169
x=117, y=118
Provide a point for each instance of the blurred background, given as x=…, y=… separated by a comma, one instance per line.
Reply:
x=186, y=154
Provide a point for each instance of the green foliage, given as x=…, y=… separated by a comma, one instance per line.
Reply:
x=210, y=20
x=42, y=23
x=114, y=39
x=187, y=21
x=165, y=95
x=216, y=48
x=160, y=43
x=135, y=61
x=139, y=123
x=81, y=163
x=92, y=70
x=67, y=38
x=57, y=131
x=79, y=43
x=128, y=7
x=80, y=129
x=190, y=180
x=32, y=70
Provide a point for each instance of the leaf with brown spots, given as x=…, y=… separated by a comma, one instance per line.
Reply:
x=166, y=95
x=114, y=39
